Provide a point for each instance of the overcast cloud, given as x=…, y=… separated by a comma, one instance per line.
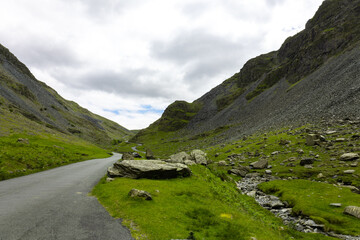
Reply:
x=128, y=60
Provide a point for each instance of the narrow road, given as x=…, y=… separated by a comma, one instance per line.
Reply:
x=54, y=204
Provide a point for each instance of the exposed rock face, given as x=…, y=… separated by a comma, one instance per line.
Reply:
x=353, y=211
x=179, y=157
x=135, y=193
x=152, y=169
x=349, y=156
x=198, y=156
x=261, y=164
x=239, y=171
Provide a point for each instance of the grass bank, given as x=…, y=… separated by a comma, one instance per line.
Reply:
x=202, y=204
x=41, y=152
x=313, y=199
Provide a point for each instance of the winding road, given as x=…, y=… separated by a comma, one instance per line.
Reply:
x=54, y=204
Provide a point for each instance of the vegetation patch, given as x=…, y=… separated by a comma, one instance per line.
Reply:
x=22, y=154
x=313, y=200
x=201, y=204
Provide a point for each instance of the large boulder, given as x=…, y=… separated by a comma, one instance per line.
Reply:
x=179, y=157
x=152, y=169
x=198, y=156
x=353, y=211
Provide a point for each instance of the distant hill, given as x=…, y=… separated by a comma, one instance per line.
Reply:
x=314, y=76
x=28, y=105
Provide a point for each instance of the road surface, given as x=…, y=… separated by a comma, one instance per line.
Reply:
x=54, y=204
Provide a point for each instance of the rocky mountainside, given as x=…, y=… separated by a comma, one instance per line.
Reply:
x=26, y=103
x=315, y=75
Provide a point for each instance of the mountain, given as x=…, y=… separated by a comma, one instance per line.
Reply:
x=314, y=76
x=28, y=105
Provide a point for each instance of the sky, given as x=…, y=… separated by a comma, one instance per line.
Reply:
x=128, y=60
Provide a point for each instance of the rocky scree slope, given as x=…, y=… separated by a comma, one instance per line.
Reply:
x=314, y=75
x=24, y=99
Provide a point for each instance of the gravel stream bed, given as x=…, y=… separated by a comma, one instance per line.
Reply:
x=248, y=186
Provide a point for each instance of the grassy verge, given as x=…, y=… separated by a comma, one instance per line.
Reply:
x=41, y=152
x=313, y=198
x=202, y=204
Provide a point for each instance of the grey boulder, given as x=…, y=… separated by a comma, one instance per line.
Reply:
x=135, y=193
x=151, y=169
x=198, y=156
x=349, y=156
x=180, y=157
x=353, y=211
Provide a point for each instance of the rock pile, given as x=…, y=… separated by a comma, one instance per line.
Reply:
x=248, y=186
x=196, y=157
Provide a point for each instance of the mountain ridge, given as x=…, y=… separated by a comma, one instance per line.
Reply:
x=22, y=94
x=282, y=87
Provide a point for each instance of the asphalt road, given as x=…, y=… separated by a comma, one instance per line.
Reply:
x=54, y=204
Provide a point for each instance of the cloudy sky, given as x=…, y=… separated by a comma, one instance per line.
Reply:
x=127, y=60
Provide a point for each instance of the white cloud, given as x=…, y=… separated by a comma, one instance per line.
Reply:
x=118, y=57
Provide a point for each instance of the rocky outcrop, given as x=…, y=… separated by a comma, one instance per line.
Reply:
x=151, y=169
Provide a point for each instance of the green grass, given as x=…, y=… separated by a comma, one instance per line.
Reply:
x=43, y=152
x=313, y=198
x=202, y=204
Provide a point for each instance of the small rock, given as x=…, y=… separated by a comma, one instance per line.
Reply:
x=149, y=154
x=335, y=204
x=306, y=161
x=353, y=211
x=308, y=167
x=261, y=164
x=300, y=151
x=320, y=175
x=127, y=156
x=252, y=193
x=330, y=132
x=268, y=171
x=109, y=179
x=340, y=140
x=140, y=194
x=284, y=142
x=222, y=163
x=312, y=139
x=23, y=140
x=349, y=156
x=349, y=171
x=136, y=155
x=354, y=164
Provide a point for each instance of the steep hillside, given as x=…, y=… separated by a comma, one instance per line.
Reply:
x=315, y=75
x=27, y=104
